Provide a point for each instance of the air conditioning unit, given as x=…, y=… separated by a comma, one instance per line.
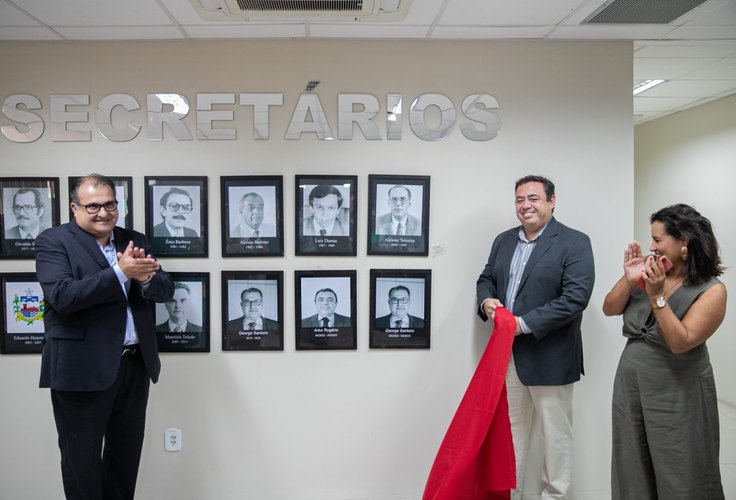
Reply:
x=334, y=10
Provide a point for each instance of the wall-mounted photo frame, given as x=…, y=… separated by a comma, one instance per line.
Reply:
x=23, y=308
x=124, y=195
x=252, y=311
x=326, y=214
x=28, y=206
x=325, y=310
x=398, y=215
x=400, y=308
x=176, y=216
x=252, y=216
x=183, y=323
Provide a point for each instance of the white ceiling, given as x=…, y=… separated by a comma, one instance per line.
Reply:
x=696, y=53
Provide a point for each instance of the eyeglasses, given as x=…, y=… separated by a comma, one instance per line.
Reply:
x=402, y=300
x=175, y=207
x=256, y=302
x=93, y=208
x=25, y=208
x=399, y=201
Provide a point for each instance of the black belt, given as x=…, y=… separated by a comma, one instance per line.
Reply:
x=131, y=350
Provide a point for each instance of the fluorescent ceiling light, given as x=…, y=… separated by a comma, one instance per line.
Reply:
x=646, y=85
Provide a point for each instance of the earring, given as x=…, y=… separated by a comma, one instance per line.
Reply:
x=683, y=253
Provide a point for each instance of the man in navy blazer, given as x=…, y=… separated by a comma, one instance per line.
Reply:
x=543, y=272
x=100, y=353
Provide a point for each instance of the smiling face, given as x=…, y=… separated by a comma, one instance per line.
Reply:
x=326, y=302
x=533, y=209
x=398, y=302
x=251, y=208
x=101, y=224
x=176, y=210
x=665, y=244
x=178, y=306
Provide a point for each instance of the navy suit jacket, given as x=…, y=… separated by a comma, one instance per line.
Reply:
x=311, y=322
x=86, y=309
x=555, y=288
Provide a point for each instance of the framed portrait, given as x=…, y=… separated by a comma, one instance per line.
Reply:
x=124, y=195
x=326, y=211
x=183, y=323
x=29, y=206
x=252, y=222
x=325, y=310
x=400, y=308
x=23, y=306
x=398, y=218
x=252, y=311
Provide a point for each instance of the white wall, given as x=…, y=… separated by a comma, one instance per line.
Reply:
x=690, y=157
x=339, y=425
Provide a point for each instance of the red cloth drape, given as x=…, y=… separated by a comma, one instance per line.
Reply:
x=476, y=458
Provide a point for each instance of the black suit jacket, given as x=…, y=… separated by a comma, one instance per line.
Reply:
x=191, y=328
x=555, y=288
x=236, y=325
x=160, y=230
x=311, y=322
x=86, y=310
x=414, y=322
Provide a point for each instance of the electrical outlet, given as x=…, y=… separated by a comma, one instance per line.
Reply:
x=172, y=439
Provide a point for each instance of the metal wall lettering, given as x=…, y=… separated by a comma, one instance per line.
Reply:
x=206, y=115
x=179, y=108
x=346, y=116
x=475, y=107
x=103, y=117
x=309, y=105
x=65, y=125
x=29, y=125
x=261, y=105
x=394, y=119
x=417, y=120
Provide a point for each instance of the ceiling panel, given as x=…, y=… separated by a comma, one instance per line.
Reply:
x=677, y=49
x=10, y=16
x=608, y=32
x=95, y=13
x=691, y=88
x=658, y=104
x=249, y=31
x=27, y=34
x=366, y=30
x=653, y=68
x=121, y=33
x=476, y=32
x=723, y=69
x=507, y=13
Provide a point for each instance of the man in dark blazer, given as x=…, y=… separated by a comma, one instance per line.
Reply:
x=325, y=301
x=240, y=331
x=399, y=300
x=543, y=272
x=100, y=353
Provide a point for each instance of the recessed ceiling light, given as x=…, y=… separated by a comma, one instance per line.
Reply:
x=646, y=85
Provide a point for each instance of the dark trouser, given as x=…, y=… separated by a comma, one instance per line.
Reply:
x=117, y=417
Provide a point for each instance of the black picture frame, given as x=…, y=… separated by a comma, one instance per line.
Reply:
x=124, y=195
x=14, y=242
x=340, y=193
x=382, y=227
x=23, y=308
x=183, y=323
x=414, y=285
x=312, y=291
x=248, y=327
x=193, y=225
x=238, y=193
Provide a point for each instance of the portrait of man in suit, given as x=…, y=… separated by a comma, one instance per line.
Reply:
x=100, y=285
x=328, y=215
x=398, y=221
x=542, y=271
x=399, y=301
x=325, y=302
x=28, y=210
x=251, y=224
x=251, y=303
x=175, y=207
x=178, y=309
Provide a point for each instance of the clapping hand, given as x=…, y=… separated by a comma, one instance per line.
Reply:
x=136, y=265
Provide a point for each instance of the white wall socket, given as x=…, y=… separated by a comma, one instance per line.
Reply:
x=172, y=439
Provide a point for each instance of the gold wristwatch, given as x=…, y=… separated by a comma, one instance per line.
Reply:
x=660, y=302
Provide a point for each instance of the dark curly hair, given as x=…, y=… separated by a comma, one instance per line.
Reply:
x=684, y=222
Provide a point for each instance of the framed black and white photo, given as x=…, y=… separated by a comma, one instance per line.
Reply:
x=29, y=206
x=325, y=310
x=400, y=308
x=326, y=214
x=252, y=311
x=23, y=308
x=252, y=216
x=124, y=196
x=183, y=323
x=398, y=218
x=176, y=216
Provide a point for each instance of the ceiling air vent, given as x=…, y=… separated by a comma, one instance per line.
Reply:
x=641, y=11
x=335, y=10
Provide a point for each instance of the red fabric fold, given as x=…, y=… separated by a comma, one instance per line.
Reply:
x=476, y=458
